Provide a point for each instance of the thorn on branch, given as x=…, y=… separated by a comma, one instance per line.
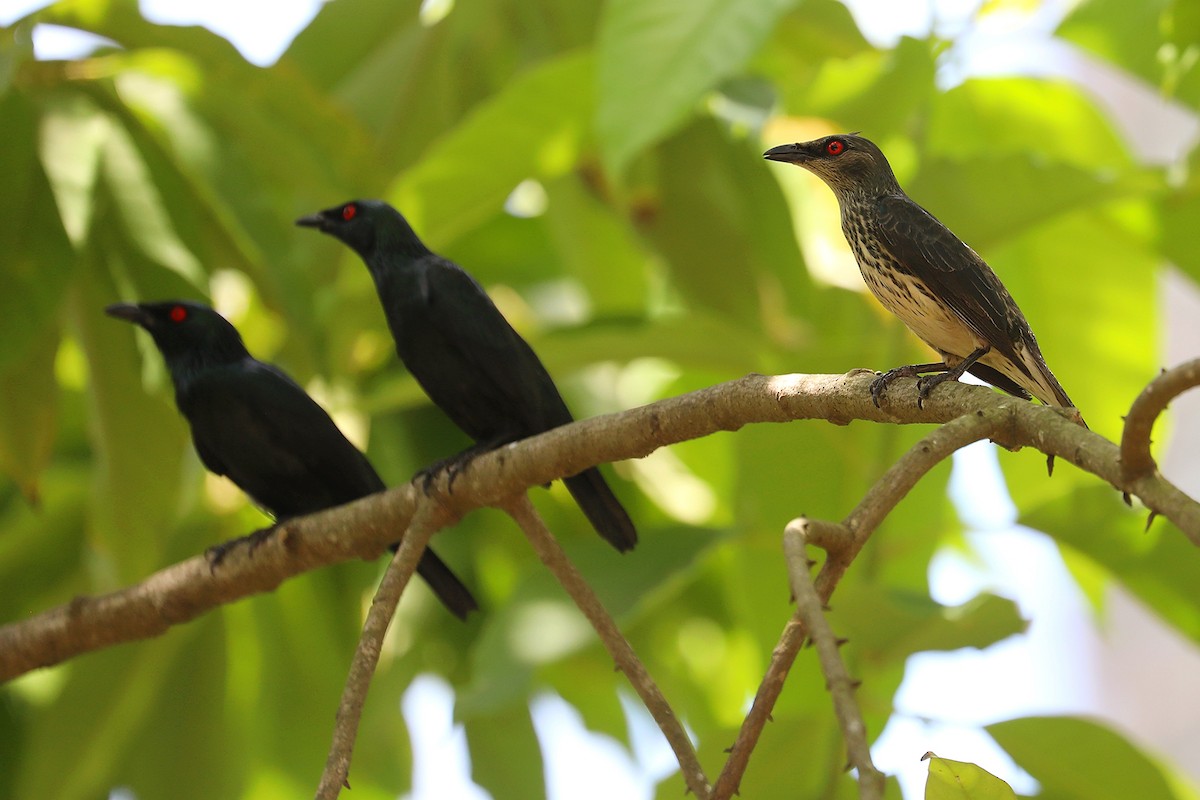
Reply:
x=1136, y=460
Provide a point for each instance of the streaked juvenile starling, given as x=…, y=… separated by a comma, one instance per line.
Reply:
x=924, y=274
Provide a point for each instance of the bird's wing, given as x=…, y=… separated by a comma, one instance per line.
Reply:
x=253, y=424
x=504, y=365
x=953, y=272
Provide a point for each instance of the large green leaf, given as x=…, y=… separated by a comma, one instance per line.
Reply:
x=38, y=257
x=1158, y=565
x=894, y=625
x=990, y=199
x=1042, y=120
x=656, y=58
x=29, y=414
x=1127, y=34
x=1078, y=758
x=138, y=439
x=877, y=93
x=723, y=229
x=533, y=129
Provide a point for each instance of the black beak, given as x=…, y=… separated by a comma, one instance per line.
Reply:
x=130, y=312
x=788, y=153
x=317, y=220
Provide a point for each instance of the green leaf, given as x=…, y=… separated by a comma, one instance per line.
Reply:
x=876, y=93
x=505, y=758
x=29, y=414
x=1157, y=565
x=597, y=248
x=16, y=48
x=533, y=129
x=72, y=140
x=656, y=59
x=1042, y=120
x=139, y=440
x=889, y=624
x=723, y=229
x=1078, y=758
x=139, y=704
x=38, y=257
x=1127, y=34
x=959, y=780
x=993, y=198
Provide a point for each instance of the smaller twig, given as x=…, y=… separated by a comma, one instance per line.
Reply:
x=871, y=781
x=832, y=538
x=892, y=487
x=1136, y=460
x=843, y=543
x=782, y=657
x=425, y=522
x=552, y=555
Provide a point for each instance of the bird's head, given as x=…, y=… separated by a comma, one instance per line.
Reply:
x=847, y=162
x=185, y=332
x=365, y=225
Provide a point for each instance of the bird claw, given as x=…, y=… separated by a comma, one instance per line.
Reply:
x=452, y=467
x=878, y=387
x=926, y=384
x=217, y=553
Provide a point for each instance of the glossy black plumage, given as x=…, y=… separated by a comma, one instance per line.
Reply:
x=255, y=425
x=462, y=350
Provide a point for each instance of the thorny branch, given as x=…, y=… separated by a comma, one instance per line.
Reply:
x=843, y=542
x=552, y=555
x=1136, y=460
x=362, y=529
x=811, y=610
x=425, y=522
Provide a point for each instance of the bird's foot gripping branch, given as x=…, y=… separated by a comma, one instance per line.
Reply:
x=362, y=529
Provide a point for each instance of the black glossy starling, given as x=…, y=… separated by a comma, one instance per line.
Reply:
x=924, y=274
x=254, y=424
x=462, y=350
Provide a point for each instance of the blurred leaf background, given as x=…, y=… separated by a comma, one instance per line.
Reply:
x=598, y=167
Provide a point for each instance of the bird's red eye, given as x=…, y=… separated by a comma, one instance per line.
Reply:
x=835, y=147
x=348, y=211
x=178, y=313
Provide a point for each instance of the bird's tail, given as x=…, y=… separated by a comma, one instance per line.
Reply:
x=602, y=508
x=1046, y=387
x=446, y=585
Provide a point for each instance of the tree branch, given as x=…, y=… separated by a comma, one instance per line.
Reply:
x=364, y=528
x=843, y=542
x=1136, y=460
x=552, y=555
x=811, y=610
x=425, y=522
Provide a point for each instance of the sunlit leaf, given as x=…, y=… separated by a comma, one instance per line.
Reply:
x=959, y=780
x=534, y=129
x=655, y=58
